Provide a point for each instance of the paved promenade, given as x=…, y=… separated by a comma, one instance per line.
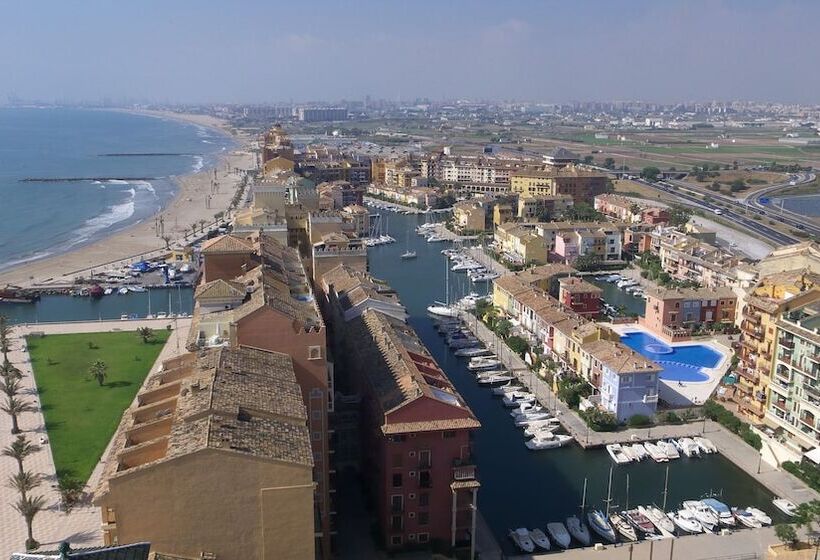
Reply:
x=779, y=482
x=81, y=527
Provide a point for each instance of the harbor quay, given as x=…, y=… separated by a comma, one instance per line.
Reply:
x=777, y=481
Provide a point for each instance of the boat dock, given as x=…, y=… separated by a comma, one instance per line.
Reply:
x=776, y=480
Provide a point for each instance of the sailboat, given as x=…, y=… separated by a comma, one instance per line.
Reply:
x=444, y=309
x=576, y=526
x=408, y=254
x=598, y=520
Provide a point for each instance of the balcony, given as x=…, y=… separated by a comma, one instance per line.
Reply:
x=752, y=317
x=463, y=469
x=781, y=406
x=754, y=408
x=786, y=342
x=749, y=374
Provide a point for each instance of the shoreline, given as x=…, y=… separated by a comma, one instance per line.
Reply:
x=138, y=240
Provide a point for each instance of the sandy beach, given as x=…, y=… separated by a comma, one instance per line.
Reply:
x=140, y=240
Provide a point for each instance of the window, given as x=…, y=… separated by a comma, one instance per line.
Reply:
x=448, y=434
x=424, y=518
x=396, y=480
x=317, y=436
x=317, y=414
x=314, y=352
x=424, y=499
x=425, y=480
x=425, y=459
x=397, y=503
x=395, y=540
x=423, y=537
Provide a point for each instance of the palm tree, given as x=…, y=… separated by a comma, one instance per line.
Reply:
x=99, y=371
x=19, y=449
x=167, y=240
x=10, y=385
x=146, y=334
x=202, y=225
x=29, y=507
x=14, y=407
x=24, y=482
x=7, y=370
x=185, y=232
x=5, y=337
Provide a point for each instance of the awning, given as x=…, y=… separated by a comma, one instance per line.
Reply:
x=813, y=455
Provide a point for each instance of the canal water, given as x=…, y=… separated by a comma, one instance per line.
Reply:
x=56, y=308
x=617, y=297
x=531, y=488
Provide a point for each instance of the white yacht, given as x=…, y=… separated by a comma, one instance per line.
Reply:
x=760, y=515
x=785, y=506
x=548, y=440
x=472, y=352
x=746, y=518
x=504, y=389
x=536, y=431
x=521, y=538
x=688, y=447
x=617, y=453
x=494, y=379
x=705, y=444
x=686, y=522
x=669, y=449
x=639, y=451
x=721, y=510
x=702, y=514
x=483, y=363
x=658, y=518
x=599, y=523
x=657, y=454
x=442, y=310
x=540, y=539
x=529, y=418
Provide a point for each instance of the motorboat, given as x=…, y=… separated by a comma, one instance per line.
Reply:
x=657, y=454
x=483, y=363
x=535, y=431
x=746, y=518
x=721, y=510
x=627, y=450
x=408, y=255
x=137, y=289
x=527, y=419
x=461, y=343
x=639, y=451
x=658, y=518
x=442, y=310
x=504, y=389
x=108, y=291
x=513, y=400
x=639, y=521
x=685, y=522
x=785, y=506
x=540, y=539
x=551, y=423
x=122, y=291
x=578, y=530
x=705, y=444
x=472, y=352
x=617, y=453
x=702, y=514
x=669, y=449
x=760, y=515
x=599, y=523
x=526, y=407
x=521, y=538
x=548, y=440
x=436, y=238
x=494, y=379
x=688, y=447
x=623, y=527
x=559, y=534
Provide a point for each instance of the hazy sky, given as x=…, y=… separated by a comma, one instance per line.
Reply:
x=267, y=50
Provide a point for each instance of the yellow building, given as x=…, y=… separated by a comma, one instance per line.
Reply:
x=521, y=244
x=470, y=215
x=502, y=213
x=581, y=185
x=758, y=335
x=214, y=460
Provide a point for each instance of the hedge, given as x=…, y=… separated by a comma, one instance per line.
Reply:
x=718, y=413
x=807, y=473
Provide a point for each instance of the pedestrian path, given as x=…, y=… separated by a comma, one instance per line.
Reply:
x=81, y=527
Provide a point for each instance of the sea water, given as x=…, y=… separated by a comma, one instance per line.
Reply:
x=38, y=219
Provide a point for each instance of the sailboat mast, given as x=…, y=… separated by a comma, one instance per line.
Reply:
x=665, y=488
x=584, y=497
x=627, y=492
x=609, y=493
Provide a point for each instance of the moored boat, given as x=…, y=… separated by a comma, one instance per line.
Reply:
x=617, y=453
x=721, y=510
x=639, y=521
x=702, y=514
x=785, y=506
x=578, y=530
x=760, y=515
x=599, y=523
x=540, y=539
x=658, y=518
x=685, y=522
x=746, y=518
x=657, y=454
x=623, y=527
x=639, y=451
x=521, y=538
x=559, y=534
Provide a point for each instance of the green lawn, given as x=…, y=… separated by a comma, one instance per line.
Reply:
x=80, y=415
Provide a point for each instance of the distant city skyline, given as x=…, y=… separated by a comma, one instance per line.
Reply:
x=260, y=52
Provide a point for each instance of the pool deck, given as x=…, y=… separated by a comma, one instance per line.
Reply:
x=686, y=393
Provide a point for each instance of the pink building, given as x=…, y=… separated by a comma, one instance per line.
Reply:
x=673, y=312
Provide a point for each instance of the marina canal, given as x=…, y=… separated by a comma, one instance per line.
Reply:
x=522, y=487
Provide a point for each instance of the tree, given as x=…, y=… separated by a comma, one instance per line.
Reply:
x=29, y=507
x=19, y=449
x=10, y=385
x=8, y=370
x=99, y=371
x=585, y=263
x=167, y=240
x=518, y=345
x=679, y=215
x=14, y=407
x=786, y=533
x=146, y=334
x=24, y=482
x=738, y=185
x=5, y=337
x=609, y=163
x=503, y=328
x=588, y=160
x=650, y=173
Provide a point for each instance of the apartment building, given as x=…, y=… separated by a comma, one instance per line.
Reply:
x=355, y=172
x=672, y=312
x=321, y=114
x=414, y=424
x=520, y=244
x=542, y=208
x=277, y=314
x=422, y=197
x=566, y=241
x=794, y=392
x=213, y=460
x=502, y=213
x=341, y=193
x=583, y=297
x=581, y=185
x=471, y=215
x=758, y=335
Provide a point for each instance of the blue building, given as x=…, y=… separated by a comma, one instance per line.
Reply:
x=627, y=380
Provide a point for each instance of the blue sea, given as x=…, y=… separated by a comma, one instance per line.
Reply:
x=38, y=219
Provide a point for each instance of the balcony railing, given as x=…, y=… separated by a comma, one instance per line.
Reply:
x=750, y=374
x=463, y=469
x=786, y=343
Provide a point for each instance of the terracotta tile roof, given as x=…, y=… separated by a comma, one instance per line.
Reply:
x=430, y=426
x=236, y=400
x=576, y=285
x=691, y=293
x=220, y=289
x=226, y=244
x=620, y=358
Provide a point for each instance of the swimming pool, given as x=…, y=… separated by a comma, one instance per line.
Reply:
x=680, y=363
